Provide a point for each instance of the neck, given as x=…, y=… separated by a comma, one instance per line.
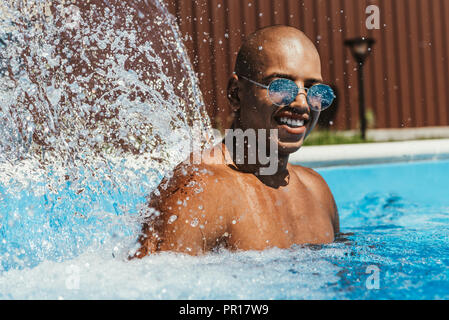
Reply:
x=240, y=160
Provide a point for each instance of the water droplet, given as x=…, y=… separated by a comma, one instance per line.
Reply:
x=198, y=190
x=172, y=219
x=194, y=222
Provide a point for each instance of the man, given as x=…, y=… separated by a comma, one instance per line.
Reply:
x=224, y=203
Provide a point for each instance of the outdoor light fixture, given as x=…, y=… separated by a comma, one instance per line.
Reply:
x=361, y=48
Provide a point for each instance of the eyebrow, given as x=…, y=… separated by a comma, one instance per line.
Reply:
x=310, y=82
x=307, y=82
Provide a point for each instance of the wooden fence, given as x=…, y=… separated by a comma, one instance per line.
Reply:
x=406, y=77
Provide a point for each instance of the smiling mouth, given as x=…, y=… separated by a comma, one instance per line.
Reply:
x=293, y=123
x=291, y=119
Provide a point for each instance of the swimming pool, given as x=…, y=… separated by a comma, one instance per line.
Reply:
x=396, y=246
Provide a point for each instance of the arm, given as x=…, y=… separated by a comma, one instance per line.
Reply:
x=320, y=188
x=188, y=214
x=335, y=216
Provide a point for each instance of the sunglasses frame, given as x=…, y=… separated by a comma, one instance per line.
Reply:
x=299, y=91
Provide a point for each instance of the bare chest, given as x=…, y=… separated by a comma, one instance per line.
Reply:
x=264, y=217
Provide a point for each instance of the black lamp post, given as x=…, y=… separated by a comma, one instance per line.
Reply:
x=361, y=49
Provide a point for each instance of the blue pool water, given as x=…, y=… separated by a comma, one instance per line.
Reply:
x=395, y=220
x=399, y=215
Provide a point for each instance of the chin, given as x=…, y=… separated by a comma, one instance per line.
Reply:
x=288, y=147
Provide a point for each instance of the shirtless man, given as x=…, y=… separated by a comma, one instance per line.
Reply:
x=224, y=204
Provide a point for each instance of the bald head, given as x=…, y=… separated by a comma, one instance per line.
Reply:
x=263, y=44
x=275, y=52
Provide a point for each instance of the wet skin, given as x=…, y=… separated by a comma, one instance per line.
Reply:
x=217, y=204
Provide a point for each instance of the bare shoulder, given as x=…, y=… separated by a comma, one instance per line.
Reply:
x=309, y=176
x=189, y=179
x=191, y=211
x=320, y=189
x=205, y=179
x=193, y=186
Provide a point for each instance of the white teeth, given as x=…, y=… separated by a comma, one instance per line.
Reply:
x=292, y=122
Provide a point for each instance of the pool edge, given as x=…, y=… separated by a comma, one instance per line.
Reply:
x=371, y=153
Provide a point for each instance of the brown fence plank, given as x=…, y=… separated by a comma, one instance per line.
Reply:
x=405, y=101
x=426, y=48
x=414, y=51
x=263, y=13
x=437, y=63
x=220, y=63
x=340, y=53
x=350, y=89
x=441, y=12
x=392, y=107
x=294, y=7
x=371, y=97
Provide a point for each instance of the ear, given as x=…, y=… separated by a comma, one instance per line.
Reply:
x=233, y=92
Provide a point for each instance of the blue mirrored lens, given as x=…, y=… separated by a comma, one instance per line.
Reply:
x=320, y=96
x=283, y=91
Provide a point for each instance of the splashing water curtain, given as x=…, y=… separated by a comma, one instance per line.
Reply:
x=91, y=96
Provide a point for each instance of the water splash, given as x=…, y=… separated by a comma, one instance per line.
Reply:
x=377, y=209
x=90, y=92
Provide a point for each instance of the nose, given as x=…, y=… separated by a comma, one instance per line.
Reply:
x=300, y=101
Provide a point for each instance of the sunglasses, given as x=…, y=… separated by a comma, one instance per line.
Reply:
x=283, y=92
